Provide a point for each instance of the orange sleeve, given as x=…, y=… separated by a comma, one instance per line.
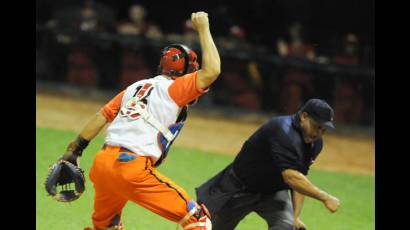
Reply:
x=184, y=89
x=111, y=109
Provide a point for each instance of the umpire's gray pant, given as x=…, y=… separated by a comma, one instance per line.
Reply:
x=275, y=208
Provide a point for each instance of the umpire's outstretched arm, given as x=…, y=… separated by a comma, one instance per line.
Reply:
x=301, y=184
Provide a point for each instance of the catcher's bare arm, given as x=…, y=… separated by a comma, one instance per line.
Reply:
x=90, y=130
x=94, y=126
x=67, y=169
x=299, y=182
x=211, y=63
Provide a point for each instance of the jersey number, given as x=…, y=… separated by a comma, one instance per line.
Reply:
x=138, y=101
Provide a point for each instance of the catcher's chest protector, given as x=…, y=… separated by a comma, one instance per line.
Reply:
x=146, y=123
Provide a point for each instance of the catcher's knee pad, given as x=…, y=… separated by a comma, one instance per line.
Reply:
x=200, y=214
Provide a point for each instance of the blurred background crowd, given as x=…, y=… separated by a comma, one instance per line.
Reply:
x=275, y=54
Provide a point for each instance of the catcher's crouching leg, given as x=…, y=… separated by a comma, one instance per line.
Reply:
x=120, y=227
x=115, y=225
x=197, y=218
x=110, y=228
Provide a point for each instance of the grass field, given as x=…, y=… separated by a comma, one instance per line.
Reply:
x=190, y=168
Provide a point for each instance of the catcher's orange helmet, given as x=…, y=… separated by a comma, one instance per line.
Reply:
x=177, y=60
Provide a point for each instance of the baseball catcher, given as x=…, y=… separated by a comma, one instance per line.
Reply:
x=143, y=121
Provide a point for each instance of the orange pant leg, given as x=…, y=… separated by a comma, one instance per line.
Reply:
x=136, y=180
x=162, y=196
x=108, y=203
x=107, y=207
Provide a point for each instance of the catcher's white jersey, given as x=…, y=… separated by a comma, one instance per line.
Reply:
x=158, y=97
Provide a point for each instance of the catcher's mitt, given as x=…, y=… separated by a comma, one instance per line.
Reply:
x=64, y=173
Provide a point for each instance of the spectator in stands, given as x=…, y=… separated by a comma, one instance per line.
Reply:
x=133, y=64
x=133, y=67
x=240, y=86
x=235, y=38
x=82, y=70
x=137, y=25
x=297, y=82
x=89, y=18
x=223, y=16
x=296, y=87
x=190, y=36
x=297, y=47
x=96, y=17
x=83, y=66
x=238, y=36
x=349, y=104
x=349, y=101
x=350, y=52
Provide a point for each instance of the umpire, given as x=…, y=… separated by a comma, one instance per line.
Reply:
x=274, y=160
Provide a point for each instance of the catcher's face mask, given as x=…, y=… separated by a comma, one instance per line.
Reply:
x=178, y=60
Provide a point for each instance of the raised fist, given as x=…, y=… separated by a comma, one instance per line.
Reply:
x=200, y=20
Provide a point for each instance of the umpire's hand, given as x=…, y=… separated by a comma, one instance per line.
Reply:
x=298, y=224
x=331, y=203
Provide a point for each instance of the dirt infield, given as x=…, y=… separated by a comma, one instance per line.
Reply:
x=340, y=153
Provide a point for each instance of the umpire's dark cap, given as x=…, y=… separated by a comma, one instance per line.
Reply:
x=320, y=111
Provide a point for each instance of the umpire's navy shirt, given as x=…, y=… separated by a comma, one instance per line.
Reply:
x=274, y=147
